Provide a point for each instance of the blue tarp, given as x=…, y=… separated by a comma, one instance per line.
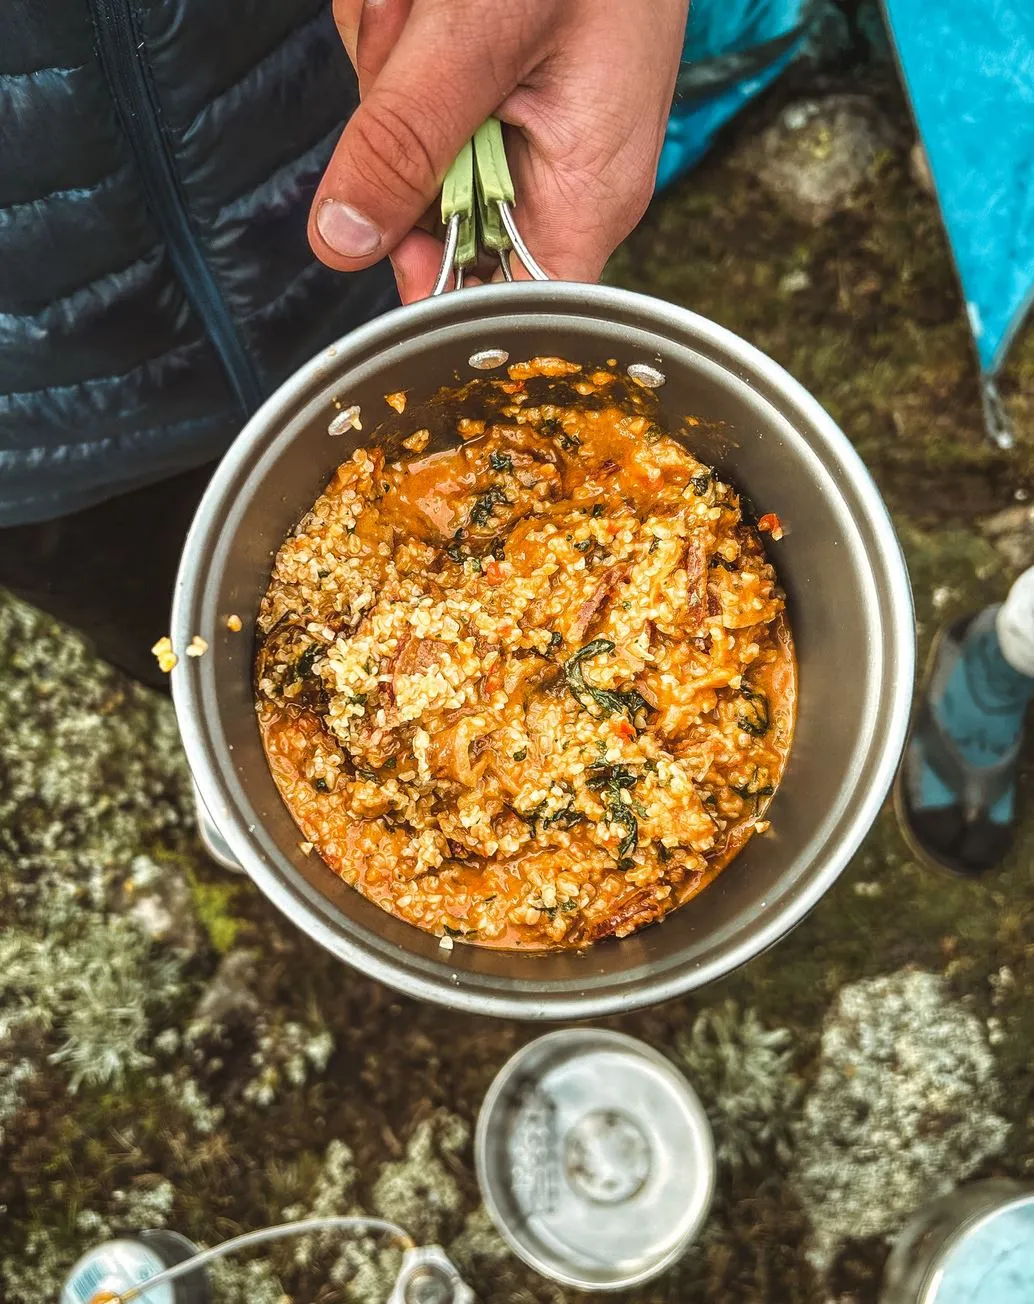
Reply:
x=968, y=67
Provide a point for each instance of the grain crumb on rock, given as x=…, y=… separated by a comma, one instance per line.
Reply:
x=165, y=656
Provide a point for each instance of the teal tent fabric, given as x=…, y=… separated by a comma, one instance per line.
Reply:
x=968, y=68
x=969, y=71
x=734, y=49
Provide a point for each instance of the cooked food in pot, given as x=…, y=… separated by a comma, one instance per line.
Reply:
x=531, y=691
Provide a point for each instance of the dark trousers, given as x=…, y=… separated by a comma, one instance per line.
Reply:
x=109, y=571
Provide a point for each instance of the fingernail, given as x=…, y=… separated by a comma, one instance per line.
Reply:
x=346, y=230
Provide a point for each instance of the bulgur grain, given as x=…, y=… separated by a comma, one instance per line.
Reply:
x=536, y=690
x=167, y=659
x=418, y=441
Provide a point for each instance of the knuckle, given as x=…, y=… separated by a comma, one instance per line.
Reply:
x=390, y=153
x=618, y=196
x=640, y=193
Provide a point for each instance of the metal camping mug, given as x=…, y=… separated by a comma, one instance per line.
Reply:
x=849, y=602
x=974, y=1246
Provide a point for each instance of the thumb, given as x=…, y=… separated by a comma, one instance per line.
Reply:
x=448, y=70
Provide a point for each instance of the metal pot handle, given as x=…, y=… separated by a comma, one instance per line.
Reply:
x=477, y=207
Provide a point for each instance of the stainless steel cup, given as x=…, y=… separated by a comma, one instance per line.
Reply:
x=974, y=1246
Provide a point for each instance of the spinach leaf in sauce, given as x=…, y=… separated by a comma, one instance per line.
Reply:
x=702, y=481
x=620, y=814
x=486, y=504
x=564, y=819
x=306, y=662
x=615, y=780
x=608, y=701
x=568, y=442
x=754, y=788
x=752, y=715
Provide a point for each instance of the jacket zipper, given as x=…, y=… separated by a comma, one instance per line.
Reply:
x=135, y=96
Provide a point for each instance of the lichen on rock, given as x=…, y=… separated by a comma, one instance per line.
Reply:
x=819, y=153
x=80, y=800
x=229, y=998
x=482, y=1256
x=420, y=1191
x=742, y=1073
x=286, y=1055
x=364, y=1266
x=1011, y=532
x=903, y=1108
x=479, y=1247
x=252, y=1281
x=159, y=900
x=92, y=781
x=36, y=1274
x=85, y=993
x=76, y=780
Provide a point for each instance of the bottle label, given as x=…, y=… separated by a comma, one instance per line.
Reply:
x=112, y=1268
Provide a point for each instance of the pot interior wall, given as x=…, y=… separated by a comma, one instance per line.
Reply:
x=765, y=443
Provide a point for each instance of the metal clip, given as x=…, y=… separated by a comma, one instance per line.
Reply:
x=997, y=421
x=428, y=1276
x=477, y=208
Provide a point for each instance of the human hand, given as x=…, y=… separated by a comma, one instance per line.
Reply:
x=585, y=84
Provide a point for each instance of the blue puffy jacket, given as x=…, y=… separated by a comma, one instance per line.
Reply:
x=157, y=162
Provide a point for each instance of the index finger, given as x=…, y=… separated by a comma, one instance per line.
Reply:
x=380, y=27
x=347, y=17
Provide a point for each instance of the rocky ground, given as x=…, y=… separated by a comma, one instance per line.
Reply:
x=173, y=1053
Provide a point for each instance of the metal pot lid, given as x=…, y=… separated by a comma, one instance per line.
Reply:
x=595, y=1159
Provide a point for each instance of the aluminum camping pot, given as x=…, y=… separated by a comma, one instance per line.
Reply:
x=840, y=563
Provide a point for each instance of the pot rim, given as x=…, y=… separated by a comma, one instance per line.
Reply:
x=526, y=1000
